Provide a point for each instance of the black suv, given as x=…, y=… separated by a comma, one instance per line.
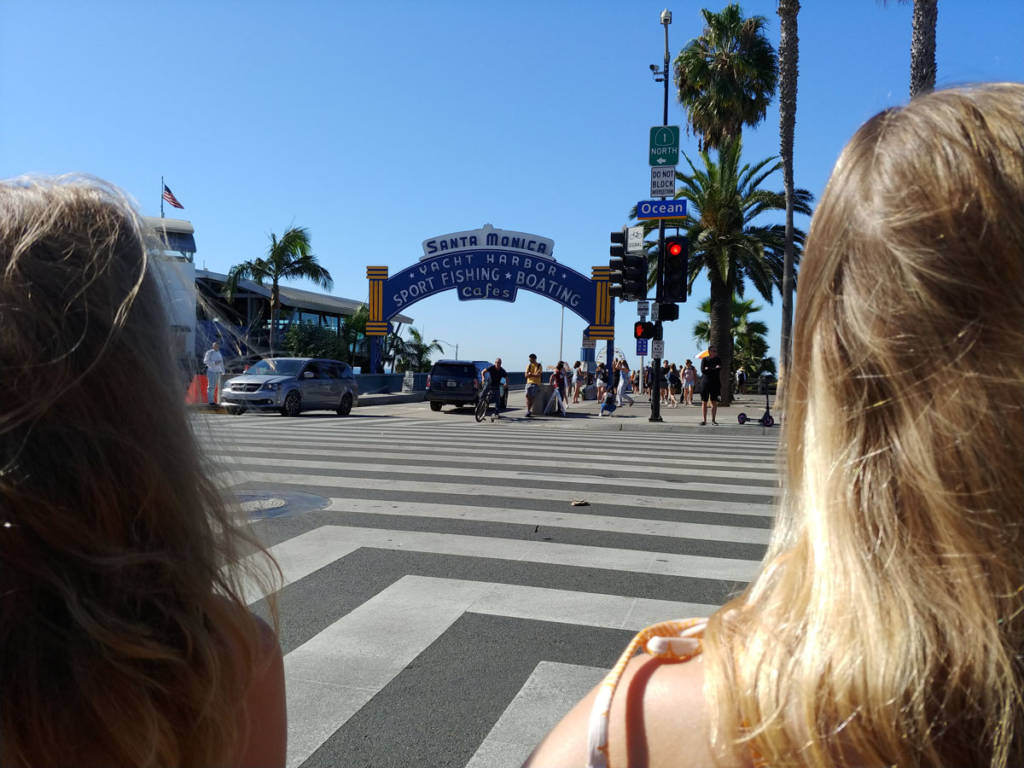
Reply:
x=455, y=382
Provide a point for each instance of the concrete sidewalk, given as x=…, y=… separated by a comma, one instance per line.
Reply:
x=635, y=417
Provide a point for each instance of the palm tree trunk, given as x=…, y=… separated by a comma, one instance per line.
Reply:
x=922, y=47
x=275, y=295
x=721, y=331
x=789, y=54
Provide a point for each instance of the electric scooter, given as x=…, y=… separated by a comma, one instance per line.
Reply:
x=765, y=421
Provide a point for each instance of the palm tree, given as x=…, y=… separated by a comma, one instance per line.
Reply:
x=724, y=200
x=789, y=54
x=740, y=311
x=417, y=352
x=395, y=348
x=725, y=78
x=750, y=348
x=922, y=47
x=354, y=329
x=290, y=258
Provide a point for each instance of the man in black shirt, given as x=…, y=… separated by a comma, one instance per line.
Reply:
x=710, y=384
x=496, y=374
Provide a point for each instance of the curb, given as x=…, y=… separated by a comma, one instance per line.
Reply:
x=390, y=399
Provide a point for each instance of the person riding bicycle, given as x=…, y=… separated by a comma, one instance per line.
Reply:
x=498, y=376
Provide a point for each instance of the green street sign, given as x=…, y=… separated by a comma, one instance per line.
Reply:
x=664, y=145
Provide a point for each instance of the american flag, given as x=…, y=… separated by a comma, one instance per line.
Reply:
x=170, y=198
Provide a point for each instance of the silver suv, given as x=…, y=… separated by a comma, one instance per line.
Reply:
x=292, y=385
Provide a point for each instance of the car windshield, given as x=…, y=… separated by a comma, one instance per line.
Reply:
x=276, y=368
x=454, y=369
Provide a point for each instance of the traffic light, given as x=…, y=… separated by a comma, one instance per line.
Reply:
x=615, y=265
x=644, y=330
x=628, y=271
x=668, y=312
x=676, y=258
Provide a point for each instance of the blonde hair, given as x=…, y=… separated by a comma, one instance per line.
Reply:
x=885, y=627
x=124, y=636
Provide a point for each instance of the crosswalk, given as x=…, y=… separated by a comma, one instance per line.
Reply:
x=452, y=588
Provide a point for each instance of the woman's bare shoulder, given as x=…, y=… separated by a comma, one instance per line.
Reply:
x=658, y=714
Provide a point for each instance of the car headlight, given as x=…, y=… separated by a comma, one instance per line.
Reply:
x=271, y=387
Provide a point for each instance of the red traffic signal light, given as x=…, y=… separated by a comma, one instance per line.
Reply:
x=676, y=268
x=643, y=330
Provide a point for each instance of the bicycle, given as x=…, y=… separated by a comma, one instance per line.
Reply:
x=484, y=401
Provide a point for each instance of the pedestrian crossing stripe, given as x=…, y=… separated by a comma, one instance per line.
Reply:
x=335, y=673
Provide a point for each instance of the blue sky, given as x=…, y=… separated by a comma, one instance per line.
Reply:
x=378, y=126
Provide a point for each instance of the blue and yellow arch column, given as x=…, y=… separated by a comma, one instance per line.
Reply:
x=377, y=324
x=603, y=326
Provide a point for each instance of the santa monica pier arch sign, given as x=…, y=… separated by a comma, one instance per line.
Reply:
x=493, y=264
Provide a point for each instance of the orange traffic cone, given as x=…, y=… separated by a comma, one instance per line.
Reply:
x=196, y=394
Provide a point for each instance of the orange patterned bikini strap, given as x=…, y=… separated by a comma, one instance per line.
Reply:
x=670, y=640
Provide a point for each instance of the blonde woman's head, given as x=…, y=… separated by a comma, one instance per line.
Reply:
x=113, y=542
x=885, y=624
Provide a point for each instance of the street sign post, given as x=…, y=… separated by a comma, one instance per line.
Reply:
x=664, y=147
x=661, y=209
x=641, y=347
x=663, y=181
x=634, y=239
x=658, y=349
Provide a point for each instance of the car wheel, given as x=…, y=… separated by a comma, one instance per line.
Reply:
x=345, y=407
x=234, y=410
x=292, y=405
x=435, y=406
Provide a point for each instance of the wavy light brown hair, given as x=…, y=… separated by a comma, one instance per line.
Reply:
x=886, y=627
x=124, y=637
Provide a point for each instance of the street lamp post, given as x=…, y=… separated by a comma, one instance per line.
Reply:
x=442, y=341
x=665, y=19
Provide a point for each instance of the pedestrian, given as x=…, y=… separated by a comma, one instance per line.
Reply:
x=494, y=384
x=648, y=381
x=533, y=381
x=602, y=381
x=663, y=382
x=625, y=383
x=608, y=405
x=675, y=386
x=577, y=381
x=741, y=379
x=214, y=362
x=125, y=637
x=689, y=375
x=710, y=385
x=884, y=626
x=557, y=382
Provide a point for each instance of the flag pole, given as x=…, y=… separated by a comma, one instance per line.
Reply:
x=161, y=197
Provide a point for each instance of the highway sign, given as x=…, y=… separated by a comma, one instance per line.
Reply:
x=664, y=149
x=663, y=181
x=661, y=209
x=641, y=347
x=635, y=239
x=658, y=349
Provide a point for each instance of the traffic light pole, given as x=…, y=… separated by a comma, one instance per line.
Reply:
x=666, y=19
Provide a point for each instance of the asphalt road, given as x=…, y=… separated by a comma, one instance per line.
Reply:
x=446, y=602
